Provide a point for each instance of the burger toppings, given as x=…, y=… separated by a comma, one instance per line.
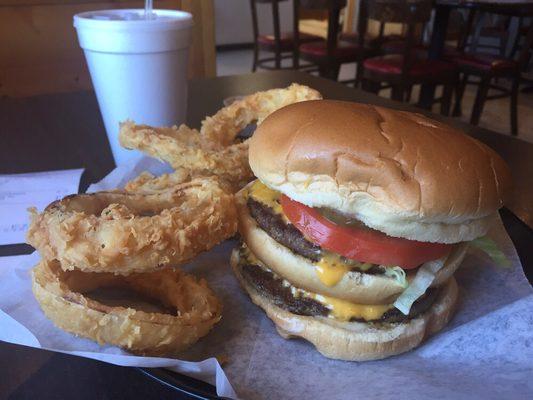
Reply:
x=358, y=242
x=302, y=302
x=423, y=279
x=265, y=208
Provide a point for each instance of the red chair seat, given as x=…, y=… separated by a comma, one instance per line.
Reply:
x=286, y=40
x=345, y=52
x=392, y=65
x=481, y=61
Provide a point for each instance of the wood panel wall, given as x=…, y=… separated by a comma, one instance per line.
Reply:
x=39, y=51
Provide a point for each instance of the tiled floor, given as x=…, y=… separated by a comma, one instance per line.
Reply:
x=495, y=114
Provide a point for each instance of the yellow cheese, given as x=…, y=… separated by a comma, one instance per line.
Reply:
x=344, y=310
x=330, y=269
x=262, y=193
x=341, y=310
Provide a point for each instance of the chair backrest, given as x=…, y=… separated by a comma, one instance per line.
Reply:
x=400, y=11
x=524, y=56
x=408, y=12
x=333, y=8
x=275, y=21
x=405, y=12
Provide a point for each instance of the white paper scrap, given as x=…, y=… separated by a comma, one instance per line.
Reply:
x=18, y=192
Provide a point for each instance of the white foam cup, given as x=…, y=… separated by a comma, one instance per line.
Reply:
x=138, y=67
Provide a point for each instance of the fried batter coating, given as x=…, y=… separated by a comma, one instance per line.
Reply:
x=190, y=154
x=226, y=124
x=65, y=298
x=149, y=183
x=213, y=150
x=124, y=232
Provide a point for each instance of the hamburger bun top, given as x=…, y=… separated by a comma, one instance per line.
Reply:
x=399, y=172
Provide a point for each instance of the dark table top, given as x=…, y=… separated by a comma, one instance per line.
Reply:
x=481, y=2
x=511, y=7
x=66, y=131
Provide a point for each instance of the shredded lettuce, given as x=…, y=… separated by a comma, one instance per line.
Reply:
x=418, y=286
x=426, y=273
x=398, y=274
x=488, y=246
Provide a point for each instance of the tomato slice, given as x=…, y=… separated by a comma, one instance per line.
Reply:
x=361, y=244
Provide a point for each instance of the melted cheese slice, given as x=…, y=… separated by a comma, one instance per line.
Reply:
x=344, y=310
x=341, y=310
x=330, y=269
x=263, y=194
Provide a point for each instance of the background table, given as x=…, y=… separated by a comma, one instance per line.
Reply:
x=66, y=131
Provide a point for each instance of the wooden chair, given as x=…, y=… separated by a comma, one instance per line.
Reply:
x=40, y=54
x=331, y=53
x=279, y=43
x=487, y=68
x=402, y=71
x=457, y=25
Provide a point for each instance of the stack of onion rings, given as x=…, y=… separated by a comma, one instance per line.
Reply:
x=134, y=239
x=131, y=240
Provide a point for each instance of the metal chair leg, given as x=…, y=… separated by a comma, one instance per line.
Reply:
x=397, y=93
x=358, y=74
x=481, y=96
x=446, y=100
x=409, y=94
x=256, y=57
x=370, y=86
x=459, y=92
x=329, y=71
x=514, y=106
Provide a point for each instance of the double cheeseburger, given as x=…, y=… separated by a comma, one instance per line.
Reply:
x=357, y=222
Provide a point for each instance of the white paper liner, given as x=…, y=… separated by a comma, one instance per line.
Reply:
x=485, y=352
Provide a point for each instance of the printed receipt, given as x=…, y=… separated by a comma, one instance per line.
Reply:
x=18, y=192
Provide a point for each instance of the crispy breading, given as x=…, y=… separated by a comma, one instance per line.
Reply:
x=193, y=309
x=213, y=150
x=124, y=232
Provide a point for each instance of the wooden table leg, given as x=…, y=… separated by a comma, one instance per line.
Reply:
x=438, y=37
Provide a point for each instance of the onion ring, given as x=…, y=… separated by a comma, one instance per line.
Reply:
x=146, y=182
x=123, y=232
x=63, y=298
x=226, y=124
x=212, y=150
x=189, y=154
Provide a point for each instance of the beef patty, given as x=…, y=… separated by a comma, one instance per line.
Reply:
x=281, y=232
x=290, y=237
x=272, y=287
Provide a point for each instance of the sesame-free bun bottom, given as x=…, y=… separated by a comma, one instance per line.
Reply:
x=356, y=341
